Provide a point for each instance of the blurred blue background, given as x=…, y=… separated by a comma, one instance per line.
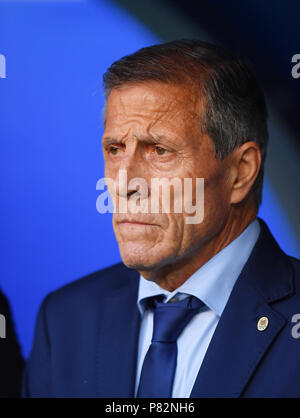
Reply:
x=50, y=127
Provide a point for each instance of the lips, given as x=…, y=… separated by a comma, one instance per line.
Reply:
x=134, y=221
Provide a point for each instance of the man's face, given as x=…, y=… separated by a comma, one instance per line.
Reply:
x=153, y=131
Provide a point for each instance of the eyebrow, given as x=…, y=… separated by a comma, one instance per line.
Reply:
x=108, y=141
x=145, y=139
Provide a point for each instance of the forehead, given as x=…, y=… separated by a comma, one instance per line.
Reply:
x=153, y=104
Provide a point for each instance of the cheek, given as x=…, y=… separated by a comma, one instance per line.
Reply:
x=217, y=191
x=110, y=170
x=216, y=204
x=176, y=227
x=177, y=237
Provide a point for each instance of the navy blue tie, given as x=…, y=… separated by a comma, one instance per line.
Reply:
x=158, y=371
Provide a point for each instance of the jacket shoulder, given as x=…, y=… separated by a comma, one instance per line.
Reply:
x=296, y=263
x=91, y=288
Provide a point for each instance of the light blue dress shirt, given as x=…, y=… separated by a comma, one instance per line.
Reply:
x=212, y=283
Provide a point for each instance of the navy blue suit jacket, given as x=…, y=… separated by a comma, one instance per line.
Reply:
x=86, y=334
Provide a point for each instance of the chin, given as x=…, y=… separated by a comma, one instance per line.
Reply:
x=140, y=259
x=138, y=263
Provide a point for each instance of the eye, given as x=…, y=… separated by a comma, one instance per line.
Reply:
x=161, y=150
x=112, y=149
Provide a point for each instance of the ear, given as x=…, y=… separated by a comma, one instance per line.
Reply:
x=246, y=162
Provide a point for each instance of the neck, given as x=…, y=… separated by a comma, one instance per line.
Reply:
x=173, y=275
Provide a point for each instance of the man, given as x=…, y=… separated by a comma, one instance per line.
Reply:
x=181, y=110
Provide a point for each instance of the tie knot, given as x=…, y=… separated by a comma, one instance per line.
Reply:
x=171, y=318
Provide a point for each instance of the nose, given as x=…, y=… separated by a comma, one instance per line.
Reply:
x=132, y=169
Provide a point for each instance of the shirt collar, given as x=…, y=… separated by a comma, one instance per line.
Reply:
x=213, y=282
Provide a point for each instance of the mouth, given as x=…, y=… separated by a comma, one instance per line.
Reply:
x=133, y=222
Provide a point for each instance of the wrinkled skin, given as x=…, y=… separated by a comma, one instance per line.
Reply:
x=153, y=130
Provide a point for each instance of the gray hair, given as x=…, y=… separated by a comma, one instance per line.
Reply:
x=234, y=106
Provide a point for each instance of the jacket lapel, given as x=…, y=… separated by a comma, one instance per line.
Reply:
x=118, y=341
x=237, y=345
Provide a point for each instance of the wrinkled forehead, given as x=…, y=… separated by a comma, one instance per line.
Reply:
x=155, y=102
